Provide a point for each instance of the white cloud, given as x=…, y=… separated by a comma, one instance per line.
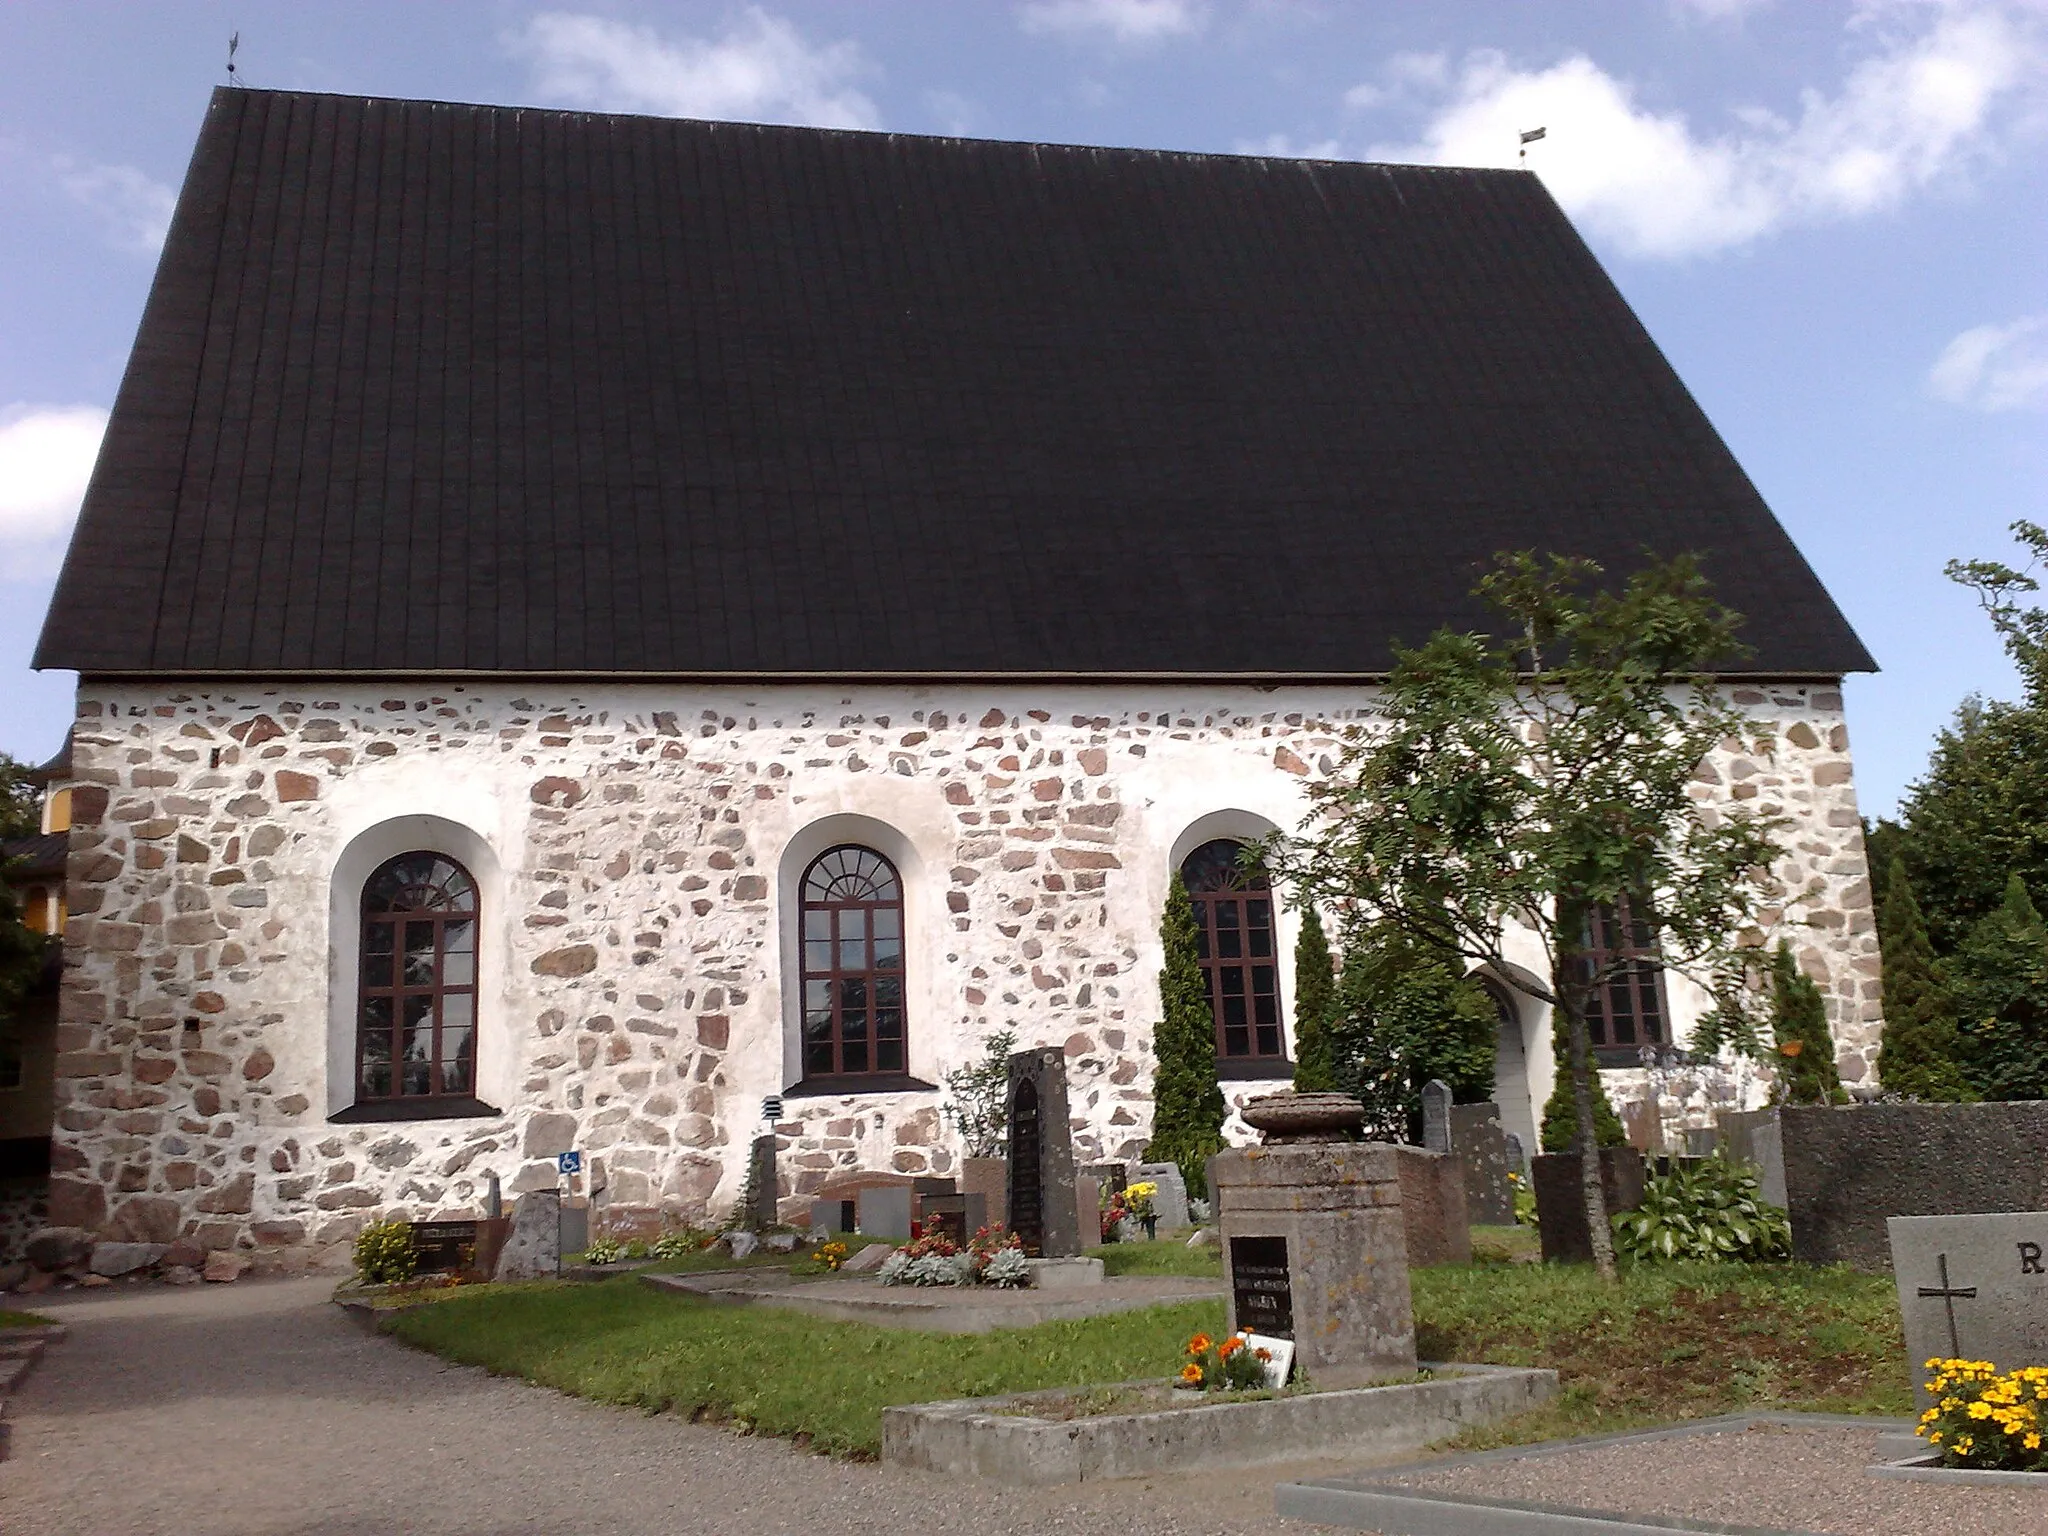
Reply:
x=1916, y=109
x=1401, y=78
x=1995, y=367
x=1124, y=21
x=135, y=209
x=761, y=69
x=1719, y=10
x=46, y=456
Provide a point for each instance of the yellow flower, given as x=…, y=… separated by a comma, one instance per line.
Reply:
x=1191, y=1374
x=1199, y=1344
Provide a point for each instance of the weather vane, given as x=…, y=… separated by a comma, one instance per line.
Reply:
x=1529, y=136
x=234, y=42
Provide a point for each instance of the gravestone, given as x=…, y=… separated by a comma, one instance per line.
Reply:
x=883, y=1210
x=957, y=1216
x=1561, y=1199
x=533, y=1248
x=1314, y=1250
x=457, y=1247
x=840, y=1216
x=1171, y=1203
x=1436, y=1115
x=988, y=1177
x=761, y=1212
x=1481, y=1148
x=1041, y=1194
x=1974, y=1287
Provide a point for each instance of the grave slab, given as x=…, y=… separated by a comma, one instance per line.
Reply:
x=883, y=1210
x=1171, y=1203
x=1974, y=1287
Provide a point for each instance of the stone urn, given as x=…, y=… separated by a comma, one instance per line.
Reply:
x=1285, y=1118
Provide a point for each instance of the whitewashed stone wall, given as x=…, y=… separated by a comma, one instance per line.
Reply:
x=638, y=850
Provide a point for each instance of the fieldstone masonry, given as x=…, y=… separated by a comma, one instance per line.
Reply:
x=637, y=845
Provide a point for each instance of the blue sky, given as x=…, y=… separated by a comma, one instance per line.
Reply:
x=1832, y=216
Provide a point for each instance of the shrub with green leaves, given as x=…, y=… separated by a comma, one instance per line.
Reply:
x=604, y=1250
x=1711, y=1211
x=384, y=1253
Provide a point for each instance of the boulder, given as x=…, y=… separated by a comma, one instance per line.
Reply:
x=124, y=1258
x=55, y=1248
x=38, y=1281
x=92, y=1280
x=533, y=1248
x=224, y=1266
x=740, y=1244
x=780, y=1242
x=179, y=1274
x=868, y=1260
x=12, y=1275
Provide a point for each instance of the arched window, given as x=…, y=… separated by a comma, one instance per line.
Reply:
x=1234, y=928
x=853, y=966
x=416, y=1008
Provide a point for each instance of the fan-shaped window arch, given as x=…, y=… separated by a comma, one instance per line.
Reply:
x=416, y=999
x=1235, y=938
x=854, y=1022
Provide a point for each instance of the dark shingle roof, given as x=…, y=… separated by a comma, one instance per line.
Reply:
x=424, y=387
x=24, y=857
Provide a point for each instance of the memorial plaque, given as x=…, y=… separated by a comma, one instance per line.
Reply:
x=444, y=1247
x=1972, y=1287
x=1262, y=1295
x=1027, y=1192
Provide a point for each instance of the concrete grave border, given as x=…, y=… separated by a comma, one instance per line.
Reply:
x=1373, y=1502
x=1923, y=1469
x=972, y=1436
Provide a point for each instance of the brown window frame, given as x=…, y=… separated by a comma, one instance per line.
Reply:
x=1234, y=906
x=441, y=895
x=826, y=897
x=1632, y=994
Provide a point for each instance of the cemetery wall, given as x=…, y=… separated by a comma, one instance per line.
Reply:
x=637, y=849
x=1848, y=1169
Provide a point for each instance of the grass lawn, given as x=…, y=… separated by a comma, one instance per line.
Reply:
x=1666, y=1342
x=9, y=1318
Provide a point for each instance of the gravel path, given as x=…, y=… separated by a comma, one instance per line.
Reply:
x=1773, y=1476
x=259, y=1408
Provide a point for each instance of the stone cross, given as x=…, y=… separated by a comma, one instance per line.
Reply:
x=1949, y=1295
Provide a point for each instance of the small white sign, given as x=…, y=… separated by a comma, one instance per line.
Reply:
x=1281, y=1365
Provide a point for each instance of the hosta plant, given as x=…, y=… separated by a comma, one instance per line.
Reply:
x=604, y=1250
x=1984, y=1420
x=384, y=1253
x=678, y=1245
x=1710, y=1212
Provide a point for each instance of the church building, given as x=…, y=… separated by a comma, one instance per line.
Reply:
x=587, y=623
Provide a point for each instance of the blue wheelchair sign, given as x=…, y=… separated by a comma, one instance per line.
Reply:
x=569, y=1162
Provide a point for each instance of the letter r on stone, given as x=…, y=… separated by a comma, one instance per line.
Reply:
x=2030, y=1259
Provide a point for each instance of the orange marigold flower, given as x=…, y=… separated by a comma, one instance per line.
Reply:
x=1192, y=1374
x=1229, y=1347
x=1265, y=1356
x=1199, y=1344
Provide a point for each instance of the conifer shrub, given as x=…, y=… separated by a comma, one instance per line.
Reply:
x=1560, y=1112
x=1916, y=1057
x=1187, y=1100
x=1315, y=1005
x=2000, y=986
x=1806, y=1049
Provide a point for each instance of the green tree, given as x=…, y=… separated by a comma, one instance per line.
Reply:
x=1533, y=779
x=1408, y=1015
x=977, y=1097
x=1916, y=1059
x=1999, y=980
x=1560, y=1129
x=1315, y=1006
x=23, y=952
x=1187, y=1101
x=1806, y=1047
x=21, y=800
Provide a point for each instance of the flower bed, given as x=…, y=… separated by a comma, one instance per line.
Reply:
x=991, y=1257
x=1984, y=1421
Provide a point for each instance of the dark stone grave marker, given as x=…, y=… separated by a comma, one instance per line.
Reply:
x=1436, y=1115
x=1262, y=1296
x=1041, y=1193
x=1481, y=1148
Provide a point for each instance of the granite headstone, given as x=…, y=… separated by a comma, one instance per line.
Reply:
x=1974, y=1287
x=1436, y=1115
x=761, y=1208
x=1481, y=1148
x=1041, y=1194
x=533, y=1248
x=883, y=1210
x=1170, y=1204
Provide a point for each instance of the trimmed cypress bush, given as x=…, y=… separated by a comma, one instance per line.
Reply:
x=1315, y=1003
x=1799, y=1021
x=1917, y=1057
x=1187, y=1100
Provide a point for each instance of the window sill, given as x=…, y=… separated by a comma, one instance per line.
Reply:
x=1241, y=1069
x=379, y=1111
x=842, y=1087
x=1613, y=1058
